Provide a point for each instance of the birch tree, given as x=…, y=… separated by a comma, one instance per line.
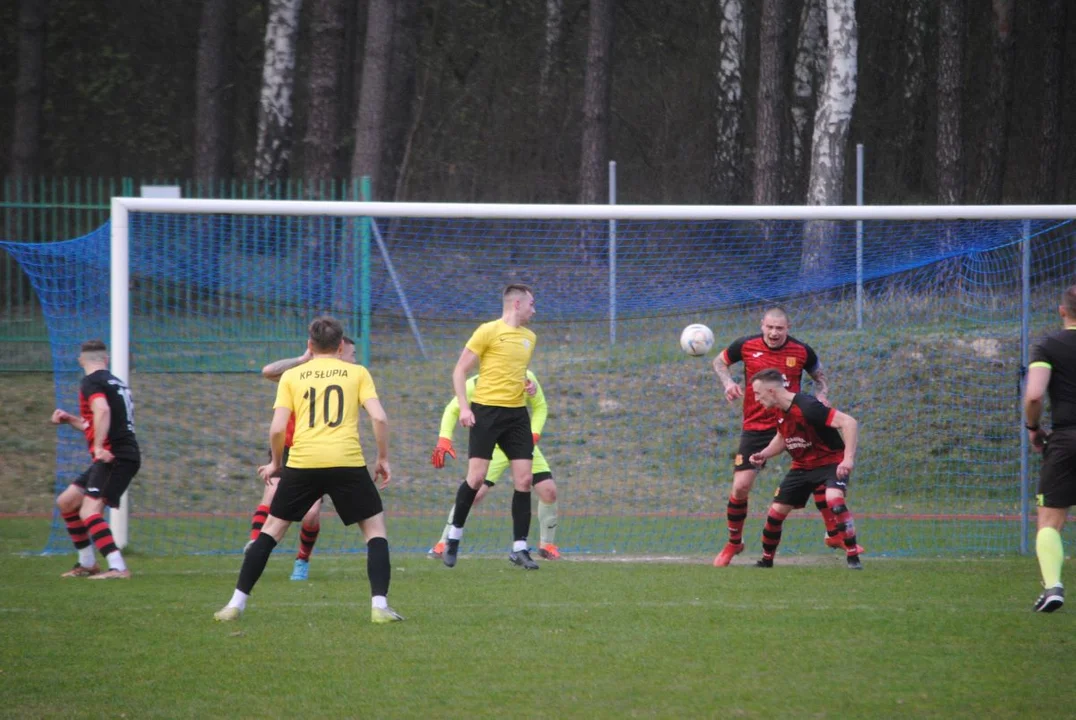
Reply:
x=771, y=90
x=950, y=102
x=994, y=142
x=370, y=124
x=29, y=89
x=273, y=151
x=726, y=171
x=214, y=91
x=829, y=143
x=808, y=73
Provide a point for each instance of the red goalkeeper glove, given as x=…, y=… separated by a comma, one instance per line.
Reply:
x=535, y=436
x=444, y=446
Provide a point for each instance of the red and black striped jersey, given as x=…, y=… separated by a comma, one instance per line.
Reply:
x=119, y=435
x=792, y=359
x=809, y=438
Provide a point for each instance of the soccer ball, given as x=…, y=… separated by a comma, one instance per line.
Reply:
x=696, y=339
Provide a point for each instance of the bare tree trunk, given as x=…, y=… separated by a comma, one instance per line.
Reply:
x=910, y=126
x=994, y=145
x=370, y=125
x=596, y=98
x=831, y=123
x=808, y=74
x=401, y=94
x=1053, y=68
x=278, y=79
x=324, y=79
x=950, y=102
x=726, y=172
x=29, y=89
x=554, y=19
x=214, y=87
x=770, y=94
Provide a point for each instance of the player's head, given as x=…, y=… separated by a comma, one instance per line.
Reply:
x=326, y=334
x=774, y=327
x=519, y=301
x=93, y=352
x=1068, y=306
x=347, y=350
x=769, y=386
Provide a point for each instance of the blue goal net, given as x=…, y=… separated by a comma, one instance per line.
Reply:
x=921, y=334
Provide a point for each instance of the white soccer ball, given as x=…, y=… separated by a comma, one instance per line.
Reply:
x=696, y=339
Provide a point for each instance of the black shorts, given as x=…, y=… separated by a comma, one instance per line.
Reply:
x=508, y=427
x=1057, y=474
x=751, y=442
x=283, y=461
x=539, y=477
x=798, y=485
x=352, y=489
x=109, y=480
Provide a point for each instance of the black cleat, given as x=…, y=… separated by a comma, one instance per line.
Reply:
x=854, y=563
x=1050, y=600
x=765, y=563
x=452, y=548
x=523, y=559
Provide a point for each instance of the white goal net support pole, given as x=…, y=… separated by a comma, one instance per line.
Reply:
x=122, y=206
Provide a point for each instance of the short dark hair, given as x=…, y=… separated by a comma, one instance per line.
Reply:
x=1068, y=301
x=326, y=332
x=348, y=341
x=91, y=346
x=516, y=288
x=769, y=375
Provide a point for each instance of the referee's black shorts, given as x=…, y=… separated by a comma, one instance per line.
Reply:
x=352, y=490
x=1057, y=474
x=508, y=427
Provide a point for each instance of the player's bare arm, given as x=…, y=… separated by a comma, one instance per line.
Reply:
x=732, y=388
x=380, y=420
x=62, y=417
x=278, y=428
x=847, y=426
x=1038, y=379
x=102, y=418
x=274, y=370
x=775, y=448
x=468, y=360
x=821, y=384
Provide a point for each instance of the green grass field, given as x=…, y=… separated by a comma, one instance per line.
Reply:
x=904, y=638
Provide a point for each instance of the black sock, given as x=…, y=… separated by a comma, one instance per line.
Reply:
x=254, y=562
x=521, y=514
x=378, y=568
x=464, y=501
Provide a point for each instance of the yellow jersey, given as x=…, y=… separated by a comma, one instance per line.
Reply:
x=325, y=395
x=504, y=352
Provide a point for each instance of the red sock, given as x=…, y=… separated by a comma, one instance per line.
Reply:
x=823, y=507
x=845, y=525
x=101, y=534
x=736, y=514
x=771, y=533
x=307, y=537
x=258, y=521
x=77, y=530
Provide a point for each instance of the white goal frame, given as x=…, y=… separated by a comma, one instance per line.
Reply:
x=120, y=243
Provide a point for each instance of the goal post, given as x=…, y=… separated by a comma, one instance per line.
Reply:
x=932, y=272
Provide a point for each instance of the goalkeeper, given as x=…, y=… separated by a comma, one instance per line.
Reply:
x=544, y=484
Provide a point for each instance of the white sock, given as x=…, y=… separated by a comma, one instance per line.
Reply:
x=379, y=601
x=115, y=561
x=455, y=533
x=239, y=600
x=519, y=545
x=85, y=556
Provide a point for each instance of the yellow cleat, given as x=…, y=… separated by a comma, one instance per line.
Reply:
x=227, y=614
x=381, y=616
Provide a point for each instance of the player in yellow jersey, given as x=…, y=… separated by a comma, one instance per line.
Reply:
x=326, y=458
x=543, y=483
x=497, y=416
